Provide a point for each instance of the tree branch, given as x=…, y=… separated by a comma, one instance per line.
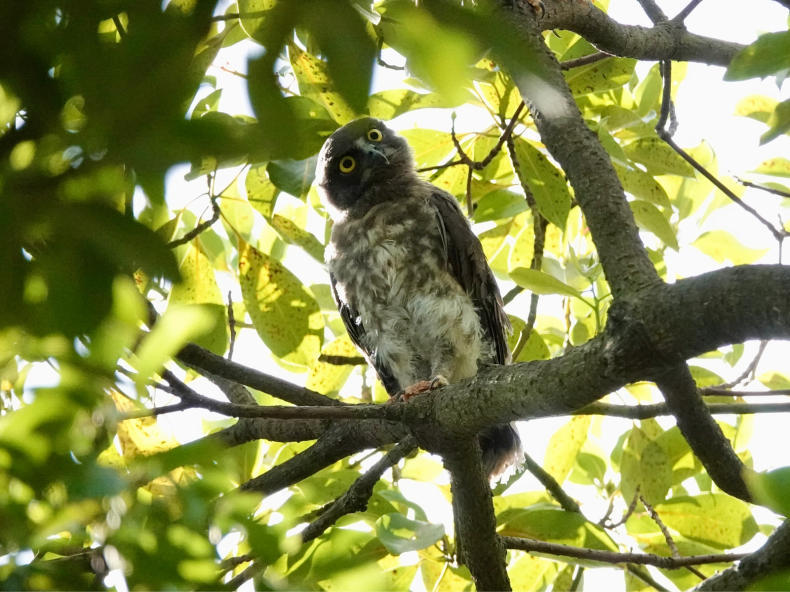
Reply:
x=532, y=545
x=668, y=40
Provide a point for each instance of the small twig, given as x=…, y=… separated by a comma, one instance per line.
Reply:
x=231, y=325
x=355, y=499
x=716, y=391
x=380, y=61
x=666, y=108
x=585, y=60
x=200, y=227
x=552, y=486
x=249, y=573
x=673, y=548
x=749, y=370
x=525, y=544
x=659, y=409
x=237, y=15
x=342, y=360
x=605, y=523
x=683, y=14
x=116, y=20
x=778, y=192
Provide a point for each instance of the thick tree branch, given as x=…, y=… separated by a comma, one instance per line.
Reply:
x=667, y=40
x=480, y=547
x=702, y=432
x=774, y=555
x=587, y=165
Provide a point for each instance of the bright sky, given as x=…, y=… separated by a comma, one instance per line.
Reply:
x=705, y=108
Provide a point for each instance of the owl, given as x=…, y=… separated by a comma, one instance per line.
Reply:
x=409, y=276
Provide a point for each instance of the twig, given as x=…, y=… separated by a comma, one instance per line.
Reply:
x=659, y=409
x=666, y=106
x=231, y=325
x=585, y=60
x=355, y=499
x=673, y=548
x=525, y=544
x=200, y=227
x=605, y=523
x=778, y=192
x=715, y=391
x=116, y=20
x=342, y=360
x=552, y=486
x=683, y=14
x=750, y=368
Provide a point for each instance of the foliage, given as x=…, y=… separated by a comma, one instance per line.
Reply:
x=97, y=104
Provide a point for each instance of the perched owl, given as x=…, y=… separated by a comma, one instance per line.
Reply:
x=409, y=276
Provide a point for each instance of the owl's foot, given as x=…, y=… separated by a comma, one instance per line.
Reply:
x=537, y=6
x=422, y=386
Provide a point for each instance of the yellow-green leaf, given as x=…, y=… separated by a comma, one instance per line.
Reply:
x=715, y=519
x=775, y=166
x=328, y=378
x=565, y=445
x=658, y=157
x=541, y=283
x=546, y=182
x=284, y=314
x=722, y=246
x=648, y=217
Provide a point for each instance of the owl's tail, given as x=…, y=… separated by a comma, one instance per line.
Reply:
x=501, y=449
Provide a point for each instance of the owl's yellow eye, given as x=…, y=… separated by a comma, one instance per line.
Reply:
x=375, y=135
x=347, y=164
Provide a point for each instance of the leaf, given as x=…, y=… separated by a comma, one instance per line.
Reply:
x=770, y=54
x=261, y=192
x=643, y=186
x=540, y=282
x=757, y=107
x=327, y=378
x=546, y=182
x=291, y=233
x=648, y=217
x=314, y=82
x=658, y=157
x=779, y=122
x=600, y=76
x=400, y=534
x=722, y=246
x=198, y=285
x=292, y=176
x=645, y=465
x=715, y=519
x=564, y=447
x=775, y=166
x=388, y=104
x=499, y=204
x=284, y=314
x=771, y=489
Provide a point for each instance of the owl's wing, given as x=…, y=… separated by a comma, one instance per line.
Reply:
x=468, y=264
x=356, y=331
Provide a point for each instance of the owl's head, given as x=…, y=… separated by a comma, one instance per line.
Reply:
x=359, y=164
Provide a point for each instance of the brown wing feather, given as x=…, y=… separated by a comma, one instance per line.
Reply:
x=468, y=265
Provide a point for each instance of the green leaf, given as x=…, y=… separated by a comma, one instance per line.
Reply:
x=564, y=447
x=499, y=204
x=658, y=157
x=779, y=122
x=771, y=489
x=644, y=465
x=199, y=286
x=388, y=104
x=776, y=166
x=546, y=182
x=715, y=519
x=704, y=377
x=291, y=233
x=292, y=176
x=769, y=55
x=400, y=534
x=643, y=186
x=313, y=78
x=261, y=192
x=722, y=246
x=284, y=314
x=178, y=326
x=756, y=107
x=600, y=76
x=327, y=378
x=540, y=282
x=648, y=217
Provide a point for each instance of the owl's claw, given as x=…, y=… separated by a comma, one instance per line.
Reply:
x=537, y=6
x=420, y=387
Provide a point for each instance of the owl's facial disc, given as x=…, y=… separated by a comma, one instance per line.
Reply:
x=357, y=158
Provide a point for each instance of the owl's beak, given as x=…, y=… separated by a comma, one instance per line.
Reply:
x=372, y=150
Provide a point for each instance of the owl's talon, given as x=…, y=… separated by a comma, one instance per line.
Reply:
x=421, y=387
x=537, y=6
